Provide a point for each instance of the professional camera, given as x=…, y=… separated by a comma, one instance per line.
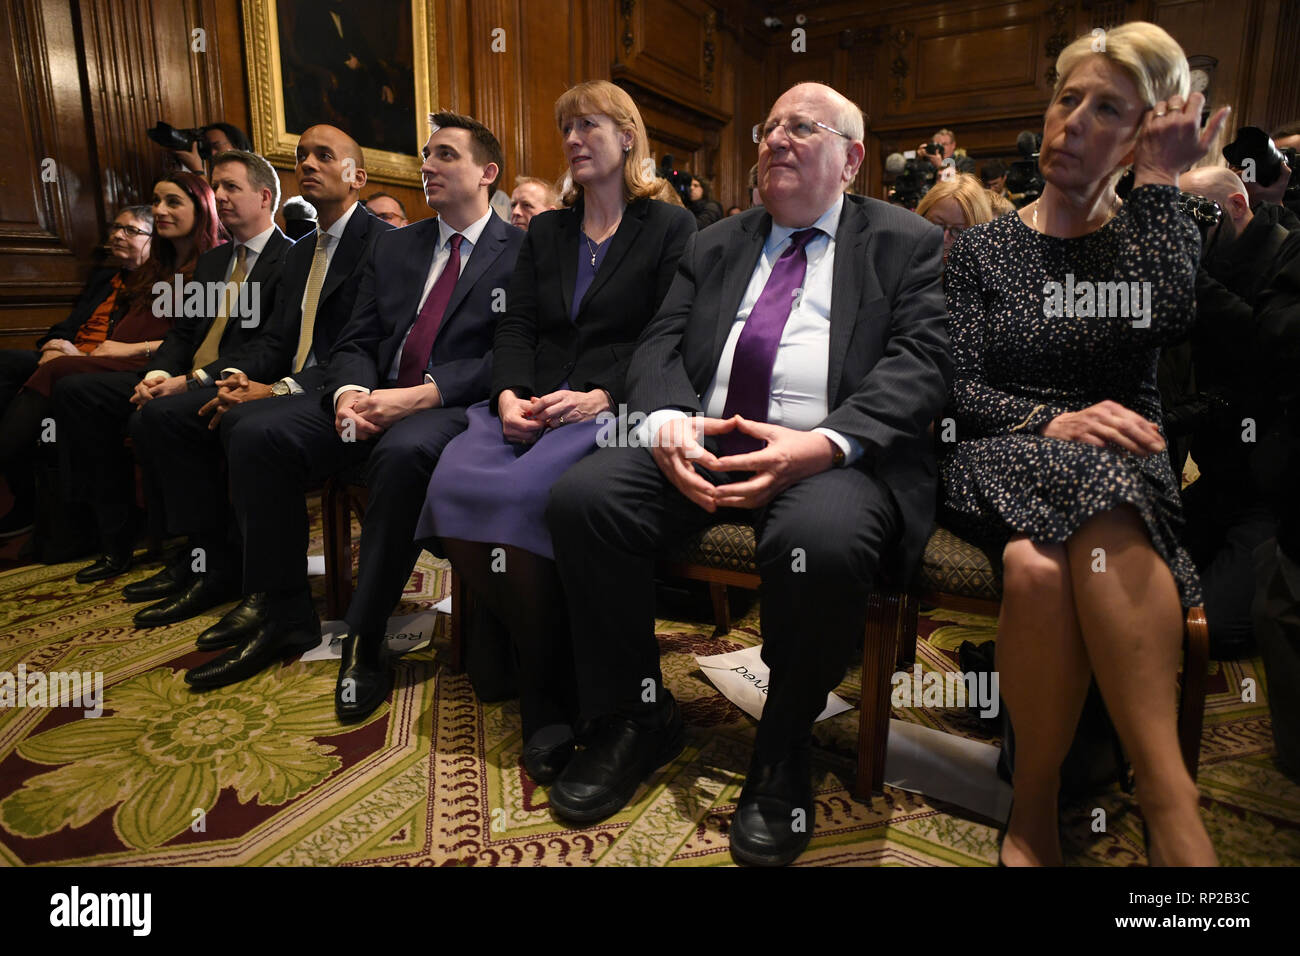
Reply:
x=1292, y=194
x=679, y=180
x=1024, y=180
x=932, y=149
x=1255, y=153
x=169, y=137
x=912, y=178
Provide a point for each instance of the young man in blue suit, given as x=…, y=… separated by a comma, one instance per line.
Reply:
x=416, y=353
x=178, y=437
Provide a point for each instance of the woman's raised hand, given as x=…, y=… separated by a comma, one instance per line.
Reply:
x=1170, y=139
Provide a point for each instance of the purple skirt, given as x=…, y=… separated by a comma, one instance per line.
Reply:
x=489, y=490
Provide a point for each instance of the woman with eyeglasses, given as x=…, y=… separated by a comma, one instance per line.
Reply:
x=954, y=205
x=1059, y=462
x=120, y=331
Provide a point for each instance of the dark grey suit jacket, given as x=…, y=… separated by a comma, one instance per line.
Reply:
x=890, y=361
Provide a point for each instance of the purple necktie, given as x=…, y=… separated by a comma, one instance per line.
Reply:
x=749, y=390
x=419, y=343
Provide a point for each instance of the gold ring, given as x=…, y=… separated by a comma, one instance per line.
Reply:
x=561, y=419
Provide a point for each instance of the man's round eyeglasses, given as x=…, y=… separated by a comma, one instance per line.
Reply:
x=131, y=231
x=797, y=129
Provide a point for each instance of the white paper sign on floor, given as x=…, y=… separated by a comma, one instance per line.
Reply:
x=918, y=759
x=315, y=565
x=742, y=678
x=405, y=633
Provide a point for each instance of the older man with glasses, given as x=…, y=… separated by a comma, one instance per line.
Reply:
x=807, y=339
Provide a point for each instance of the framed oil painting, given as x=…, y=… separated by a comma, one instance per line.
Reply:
x=366, y=66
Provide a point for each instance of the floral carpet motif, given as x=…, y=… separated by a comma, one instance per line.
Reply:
x=262, y=773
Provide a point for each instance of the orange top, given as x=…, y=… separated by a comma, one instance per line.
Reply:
x=95, y=329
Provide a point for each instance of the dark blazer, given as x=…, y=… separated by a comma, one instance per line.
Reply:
x=389, y=300
x=96, y=290
x=177, y=351
x=537, y=347
x=269, y=357
x=890, y=361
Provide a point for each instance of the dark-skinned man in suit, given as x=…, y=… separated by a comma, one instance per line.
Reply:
x=240, y=280
x=416, y=353
x=179, y=436
x=816, y=325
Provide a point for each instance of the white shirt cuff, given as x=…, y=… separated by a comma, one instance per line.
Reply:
x=150, y=374
x=645, y=434
x=348, y=388
x=296, y=389
x=852, y=449
x=202, y=377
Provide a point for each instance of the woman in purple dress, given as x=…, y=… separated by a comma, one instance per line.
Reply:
x=590, y=276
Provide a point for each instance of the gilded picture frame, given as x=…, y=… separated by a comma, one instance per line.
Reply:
x=381, y=94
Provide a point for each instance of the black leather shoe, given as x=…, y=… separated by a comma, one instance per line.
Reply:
x=773, y=821
x=270, y=643
x=239, y=622
x=107, y=566
x=365, y=677
x=171, y=580
x=603, y=776
x=203, y=593
x=548, y=752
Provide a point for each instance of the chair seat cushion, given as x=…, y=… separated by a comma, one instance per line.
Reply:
x=955, y=566
x=728, y=547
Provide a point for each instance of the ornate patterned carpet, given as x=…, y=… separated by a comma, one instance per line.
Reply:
x=263, y=774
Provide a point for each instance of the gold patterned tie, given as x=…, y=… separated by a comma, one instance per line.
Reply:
x=315, y=279
x=211, y=346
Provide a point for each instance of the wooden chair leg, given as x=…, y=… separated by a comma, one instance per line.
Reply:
x=879, y=652
x=721, y=609
x=1191, y=704
x=459, y=623
x=907, y=631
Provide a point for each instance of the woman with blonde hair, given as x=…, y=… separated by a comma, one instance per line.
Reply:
x=1059, y=463
x=955, y=205
x=588, y=279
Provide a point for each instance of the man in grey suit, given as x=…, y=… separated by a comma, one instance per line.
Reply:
x=817, y=325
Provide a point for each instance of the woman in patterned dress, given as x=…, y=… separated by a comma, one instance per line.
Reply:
x=1059, y=456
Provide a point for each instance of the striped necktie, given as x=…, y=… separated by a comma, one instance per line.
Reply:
x=315, y=279
x=211, y=347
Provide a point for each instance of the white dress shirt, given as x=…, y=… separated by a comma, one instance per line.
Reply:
x=798, y=399
x=441, y=256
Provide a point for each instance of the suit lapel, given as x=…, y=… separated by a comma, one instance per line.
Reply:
x=485, y=251
x=846, y=289
x=345, y=256
x=737, y=269
x=270, y=256
x=569, y=239
x=624, y=239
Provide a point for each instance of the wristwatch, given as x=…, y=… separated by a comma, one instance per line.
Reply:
x=837, y=455
x=192, y=384
x=281, y=388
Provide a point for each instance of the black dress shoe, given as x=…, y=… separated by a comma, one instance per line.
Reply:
x=171, y=580
x=548, y=752
x=602, y=777
x=107, y=566
x=203, y=593
x=239, y=622
x=773, y=821
x=365, y=677
x=270, y=643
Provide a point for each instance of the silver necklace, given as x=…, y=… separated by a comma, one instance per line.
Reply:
x=592, y=248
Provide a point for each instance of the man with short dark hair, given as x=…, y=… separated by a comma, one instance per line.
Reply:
x=415, y=354
x=177, y=437
x=388, y=208
x=93, y=410
x=816, y=325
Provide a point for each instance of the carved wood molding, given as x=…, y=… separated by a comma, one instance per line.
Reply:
x=626, y=8
x=1059, y=38
x=710, y=27
x=899, y=38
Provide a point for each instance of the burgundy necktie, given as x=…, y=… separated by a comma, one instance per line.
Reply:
x=749, y=389
x=419, y=343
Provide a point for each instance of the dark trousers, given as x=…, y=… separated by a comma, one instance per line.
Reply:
x=819, y=545
x=91, y=413
x=1224, y=527
x=17, y=440
x=276, y=456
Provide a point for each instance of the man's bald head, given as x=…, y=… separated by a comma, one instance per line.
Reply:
x=1224, y=187
x=330, y=167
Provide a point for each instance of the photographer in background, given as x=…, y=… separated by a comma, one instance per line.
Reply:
x=948, y=153
x=1248, y=287
x=707, y=211
x=994, y=176
x=1265, y=171
x=211, y=141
